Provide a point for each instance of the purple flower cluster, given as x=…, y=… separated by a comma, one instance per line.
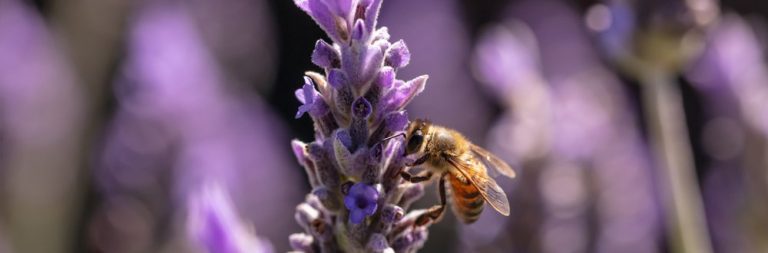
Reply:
x=358, y=200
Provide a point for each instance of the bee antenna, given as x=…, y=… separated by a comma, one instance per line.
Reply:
x=393, y=136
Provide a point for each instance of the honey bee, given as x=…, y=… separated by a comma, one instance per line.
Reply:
x=458, y=162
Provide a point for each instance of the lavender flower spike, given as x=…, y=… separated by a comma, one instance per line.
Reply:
x=213, y=222
x=356, y=102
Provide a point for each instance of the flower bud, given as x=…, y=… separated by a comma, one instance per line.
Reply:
x=325, y=56
x=301, y=242
x=398, y=55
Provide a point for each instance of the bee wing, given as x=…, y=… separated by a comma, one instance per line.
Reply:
x=493, y=162
x=492, y=193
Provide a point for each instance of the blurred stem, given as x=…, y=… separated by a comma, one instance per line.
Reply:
x=683, y=204
x=755, y=218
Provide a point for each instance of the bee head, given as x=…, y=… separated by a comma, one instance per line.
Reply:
x=415, y=136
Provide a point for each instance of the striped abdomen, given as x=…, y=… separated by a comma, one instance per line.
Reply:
x=467, y=200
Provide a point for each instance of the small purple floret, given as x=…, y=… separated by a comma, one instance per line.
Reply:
x=361, y=202
x=361, y=108
x=310, y=98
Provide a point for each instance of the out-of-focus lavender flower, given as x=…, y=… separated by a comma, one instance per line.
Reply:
x=42, y=125
x=355, y=104
x=731, y=74
x=361, y=201
x=614, y=23
x=732, y=62
x=506, y=57
x=214, y=223
x=569, y=125
x=179, y=125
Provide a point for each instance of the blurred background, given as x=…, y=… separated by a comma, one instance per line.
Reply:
x=635, y=126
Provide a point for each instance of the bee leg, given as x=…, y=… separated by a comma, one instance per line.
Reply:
x=418, y=161
x=434, y=213
x=421, y=177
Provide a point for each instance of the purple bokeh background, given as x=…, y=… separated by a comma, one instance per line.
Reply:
x=110, y=139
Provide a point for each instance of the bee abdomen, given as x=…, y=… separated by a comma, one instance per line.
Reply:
x=468, y=203
x=471, y=212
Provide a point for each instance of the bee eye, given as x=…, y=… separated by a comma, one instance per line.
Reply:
x=415, y=141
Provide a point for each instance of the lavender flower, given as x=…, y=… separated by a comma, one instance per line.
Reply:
x=43, y=122
x=585, y=183
x=361, y=202
x=352, y=166
x=213, y=222
x=161, y=145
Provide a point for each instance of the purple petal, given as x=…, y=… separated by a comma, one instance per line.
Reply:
x=370, y=208
x=403, y=93
x=302, y=109
x=413, y=88
x=369, y=192
x=398, y=55
x=300, y=95
x=309, y=90
x=324, y=55
x=306, y=95
x=350, y=202
x=311, y=99
x=318, y=108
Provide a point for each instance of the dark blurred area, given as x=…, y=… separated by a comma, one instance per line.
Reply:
x=635, y=126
